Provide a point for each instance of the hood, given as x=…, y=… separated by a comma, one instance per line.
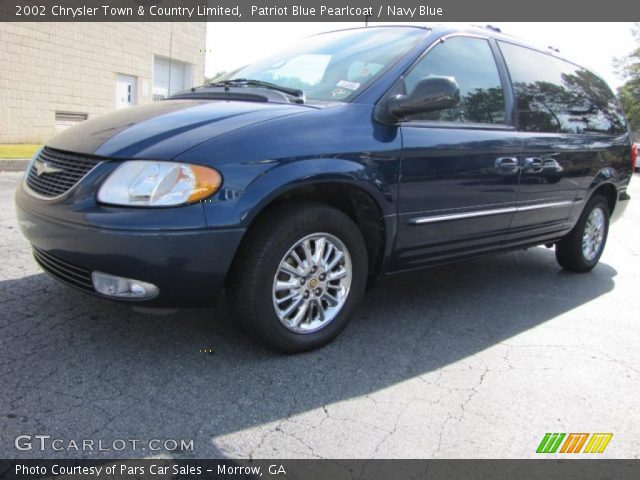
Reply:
x=165, y=129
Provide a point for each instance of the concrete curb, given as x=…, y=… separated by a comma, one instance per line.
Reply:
x=17, y=165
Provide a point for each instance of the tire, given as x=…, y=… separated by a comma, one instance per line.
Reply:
x=258, y=285
x=570, y=252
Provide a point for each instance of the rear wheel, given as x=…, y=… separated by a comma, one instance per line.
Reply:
x=582, y=248
x=298, y=276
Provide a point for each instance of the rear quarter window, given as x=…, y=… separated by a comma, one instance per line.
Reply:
x=554, y=95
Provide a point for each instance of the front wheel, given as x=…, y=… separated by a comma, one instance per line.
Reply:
x=582, y=248
x=298, y=276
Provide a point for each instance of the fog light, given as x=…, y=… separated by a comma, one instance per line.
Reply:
x=120, y=287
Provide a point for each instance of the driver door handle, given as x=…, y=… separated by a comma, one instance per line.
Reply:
x=533, y=164
x=507, y=164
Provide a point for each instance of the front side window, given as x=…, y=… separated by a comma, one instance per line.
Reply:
x=471, y=63
x=334, y=66
x=556, y=96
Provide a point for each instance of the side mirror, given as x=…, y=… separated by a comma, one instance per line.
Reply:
x=429, y=95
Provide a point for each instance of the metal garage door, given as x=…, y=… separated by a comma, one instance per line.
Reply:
x=170, y=76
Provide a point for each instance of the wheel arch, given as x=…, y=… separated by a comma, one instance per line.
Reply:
x=605, y=183
x=608, y=191
x=366, y=203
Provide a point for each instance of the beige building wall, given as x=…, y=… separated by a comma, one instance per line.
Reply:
x=73, y=67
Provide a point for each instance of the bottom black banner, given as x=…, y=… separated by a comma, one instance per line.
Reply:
x=321, y=469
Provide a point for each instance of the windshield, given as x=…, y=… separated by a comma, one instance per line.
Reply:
x=333, y=66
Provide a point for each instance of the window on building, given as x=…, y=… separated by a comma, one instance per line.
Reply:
x=471, y=63
x=170, y=76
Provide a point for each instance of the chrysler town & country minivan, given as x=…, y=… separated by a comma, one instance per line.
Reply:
x=295, y=181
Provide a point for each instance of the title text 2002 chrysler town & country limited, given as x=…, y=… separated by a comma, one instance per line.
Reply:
x=294, y=181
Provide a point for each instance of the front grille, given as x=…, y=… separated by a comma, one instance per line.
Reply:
x=65, y=272
x=54, y=172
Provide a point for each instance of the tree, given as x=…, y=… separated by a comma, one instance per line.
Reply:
x=484, y=105
x=628, y=67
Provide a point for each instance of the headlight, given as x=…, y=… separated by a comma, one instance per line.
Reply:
x=144, y=183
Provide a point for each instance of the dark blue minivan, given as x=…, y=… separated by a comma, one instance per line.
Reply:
x=294, y=181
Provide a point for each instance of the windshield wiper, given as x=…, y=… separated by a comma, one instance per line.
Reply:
x=240, y=82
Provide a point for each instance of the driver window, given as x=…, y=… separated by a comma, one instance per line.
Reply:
x=470, y=61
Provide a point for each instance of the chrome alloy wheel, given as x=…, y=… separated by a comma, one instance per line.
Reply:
x=593, y=235
x=312, y=283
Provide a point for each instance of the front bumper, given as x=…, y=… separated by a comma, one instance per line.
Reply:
x=188, y=265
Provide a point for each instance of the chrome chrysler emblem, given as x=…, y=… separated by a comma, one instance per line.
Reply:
x=44, y=167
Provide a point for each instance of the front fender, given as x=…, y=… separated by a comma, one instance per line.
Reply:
x=335, y=144
x=240, y=208
x=301, y=173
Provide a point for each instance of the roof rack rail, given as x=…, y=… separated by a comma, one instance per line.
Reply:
x=493, y=27
x=553, y=48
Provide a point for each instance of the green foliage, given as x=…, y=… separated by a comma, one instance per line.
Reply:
x=629, y=95
x=628, y=67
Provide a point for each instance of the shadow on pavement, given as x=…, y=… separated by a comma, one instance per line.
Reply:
x=75, y=366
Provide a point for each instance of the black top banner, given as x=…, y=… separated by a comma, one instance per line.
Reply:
x=425, y=11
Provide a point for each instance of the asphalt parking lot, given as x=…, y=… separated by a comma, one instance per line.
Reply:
x=473, y=360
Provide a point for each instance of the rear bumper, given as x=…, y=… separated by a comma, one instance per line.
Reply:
x=188, y=266
x=621, y=205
